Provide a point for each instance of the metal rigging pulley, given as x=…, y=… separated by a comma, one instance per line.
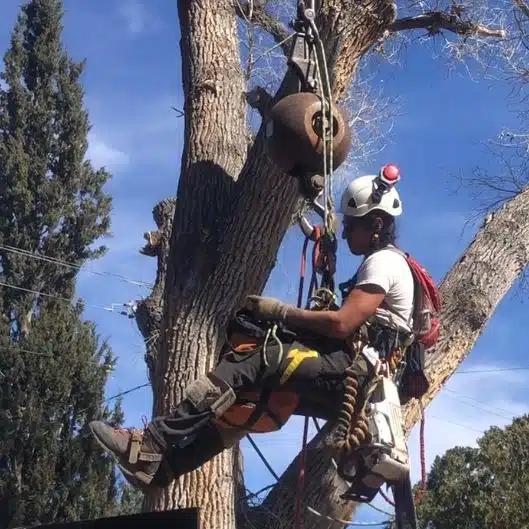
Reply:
x=300, y=137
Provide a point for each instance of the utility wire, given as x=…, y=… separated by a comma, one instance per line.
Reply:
x=503, y=416
x=67, y=264
x=495, y=370
x=500, y=412
x=116, y=396
x=457, y=424
x=53, y=296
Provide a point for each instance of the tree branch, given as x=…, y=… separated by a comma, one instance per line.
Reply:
x=435, y=21
x=149, y=310
x=524, y=8
x=255, y=13
x=348, y=37
x=472, y=290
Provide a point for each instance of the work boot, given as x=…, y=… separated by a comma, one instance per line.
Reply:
x=137, y=453
x=172, y=443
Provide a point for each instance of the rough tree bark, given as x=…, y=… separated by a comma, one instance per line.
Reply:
x=217, y=242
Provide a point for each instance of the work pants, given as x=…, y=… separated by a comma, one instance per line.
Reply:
x=191, y=436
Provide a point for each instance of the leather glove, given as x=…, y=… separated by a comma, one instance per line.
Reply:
x=265, y=308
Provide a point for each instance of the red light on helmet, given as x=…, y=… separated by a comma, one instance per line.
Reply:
x=390, y=174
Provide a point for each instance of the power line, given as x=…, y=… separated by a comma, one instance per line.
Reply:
x=37, y=293
x=503, y=416
x=55, y=296
x=495, y=370
x=67, y=264
x=501, y=410
x=17, y=350
x=457, y=424
x=116, y=396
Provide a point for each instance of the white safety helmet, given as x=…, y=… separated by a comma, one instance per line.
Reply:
x=373, y=192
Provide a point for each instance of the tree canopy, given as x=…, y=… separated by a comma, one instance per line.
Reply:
x=487, y=486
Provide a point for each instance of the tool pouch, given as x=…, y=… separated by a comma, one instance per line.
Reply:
x=414, y=383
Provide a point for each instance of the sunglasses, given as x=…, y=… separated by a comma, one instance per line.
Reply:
x=351, y=223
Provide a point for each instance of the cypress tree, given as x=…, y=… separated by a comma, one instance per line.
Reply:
x=53, y=365
x=51, y=386
x=52, y=201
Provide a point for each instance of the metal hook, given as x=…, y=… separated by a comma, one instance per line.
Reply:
x=306, y=227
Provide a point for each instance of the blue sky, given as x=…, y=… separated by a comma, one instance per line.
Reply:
x=132, y=80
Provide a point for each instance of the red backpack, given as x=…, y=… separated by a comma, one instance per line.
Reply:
x=427, y=302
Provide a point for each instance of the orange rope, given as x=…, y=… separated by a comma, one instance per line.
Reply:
x=422, y=488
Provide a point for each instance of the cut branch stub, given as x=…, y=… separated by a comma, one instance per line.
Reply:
x=150, y=309
x=259, y=99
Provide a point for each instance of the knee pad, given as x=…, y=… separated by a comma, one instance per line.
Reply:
x=210, y=393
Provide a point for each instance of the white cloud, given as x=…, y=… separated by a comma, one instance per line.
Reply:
x=151, y=135
x=102, y=154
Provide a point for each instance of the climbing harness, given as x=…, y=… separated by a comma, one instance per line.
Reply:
x=370, y=440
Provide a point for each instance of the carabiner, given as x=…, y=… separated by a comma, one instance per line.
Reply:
x=306, y=227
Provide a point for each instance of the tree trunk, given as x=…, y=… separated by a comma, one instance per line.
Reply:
x=471, y=291
x=214, y=153
x=227, y=207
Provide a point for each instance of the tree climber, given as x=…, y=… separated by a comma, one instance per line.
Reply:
x=307, y=357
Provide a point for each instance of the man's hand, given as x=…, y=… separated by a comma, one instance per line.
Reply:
x=265, y=308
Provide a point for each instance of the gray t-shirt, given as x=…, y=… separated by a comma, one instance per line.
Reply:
x=390, y=271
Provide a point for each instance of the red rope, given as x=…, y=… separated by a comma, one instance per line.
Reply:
x=302, y=265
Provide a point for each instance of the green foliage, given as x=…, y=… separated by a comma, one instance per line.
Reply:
x=51, y=199
x=53, y=367
x=51, y=386
x=131, y=501
x=485, y=487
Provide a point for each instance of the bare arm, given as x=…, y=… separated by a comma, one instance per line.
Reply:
x=358, y=306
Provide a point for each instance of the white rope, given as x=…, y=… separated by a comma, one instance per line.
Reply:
x=324, y=87
x=326, y=175
x=325, y=95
